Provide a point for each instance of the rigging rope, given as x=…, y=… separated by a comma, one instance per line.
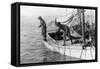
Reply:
x=69, y=20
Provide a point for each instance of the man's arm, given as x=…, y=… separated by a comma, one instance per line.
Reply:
x=39, y=26
x=58, y=30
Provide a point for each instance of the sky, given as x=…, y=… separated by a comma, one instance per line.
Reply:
x=45, y=12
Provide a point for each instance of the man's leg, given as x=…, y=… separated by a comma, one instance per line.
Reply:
x=64, y=38
x=45, y=35
x=71, y=39
x=69, y=35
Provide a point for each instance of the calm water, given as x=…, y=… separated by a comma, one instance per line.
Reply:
x=31, y=46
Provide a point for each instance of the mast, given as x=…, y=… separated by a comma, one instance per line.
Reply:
x=83, y=25
x=83, y=30
x=92, y=20
x=79, y=16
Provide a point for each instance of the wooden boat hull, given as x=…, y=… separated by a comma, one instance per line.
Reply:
x=73, y=50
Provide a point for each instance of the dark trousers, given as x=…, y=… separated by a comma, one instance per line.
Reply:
x=69, y=35
x=44, y=34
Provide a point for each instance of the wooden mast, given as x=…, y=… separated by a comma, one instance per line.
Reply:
x=82, y=22
x=83, y=30
x=79, y=16
x=83, y=25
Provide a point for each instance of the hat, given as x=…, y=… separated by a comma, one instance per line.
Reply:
x=39, y=17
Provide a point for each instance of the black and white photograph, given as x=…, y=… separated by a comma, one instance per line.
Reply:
x=55, y=34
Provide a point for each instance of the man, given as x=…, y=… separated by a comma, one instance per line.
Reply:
x=44, y=28
x=65, y=29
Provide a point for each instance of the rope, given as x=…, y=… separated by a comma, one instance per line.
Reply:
x=81, y=54
x=50, y=23
x=91, y=53
x=70, y=52
x=85, y=53
x=64, y=53
x=69, y=20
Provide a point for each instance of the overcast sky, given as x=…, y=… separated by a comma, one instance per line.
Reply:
x=43, y=11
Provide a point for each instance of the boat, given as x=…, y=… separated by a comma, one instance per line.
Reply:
x=72, y=50
x=55, y=42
